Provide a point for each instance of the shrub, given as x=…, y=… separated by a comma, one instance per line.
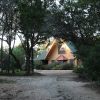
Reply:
x=67, y=66
x=57, y=67
x=63, y=66
x=91, y=64
x=53, y=66
x=38, y=64
x=20, y=54
x=81, y=72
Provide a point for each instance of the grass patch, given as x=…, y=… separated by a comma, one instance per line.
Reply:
x=6, y=81
x=20, y=73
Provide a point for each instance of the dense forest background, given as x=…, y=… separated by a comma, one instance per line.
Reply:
x=34, y=21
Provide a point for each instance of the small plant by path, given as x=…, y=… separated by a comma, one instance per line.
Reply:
x=6, y=81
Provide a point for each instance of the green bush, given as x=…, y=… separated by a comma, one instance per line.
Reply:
x=38, y=64
x=63, y=66
x=81, y=72
x=53, y=66
x=57, y=67
x=49, y=66
x=91, y=64
x=20, y=54
x=67, y=66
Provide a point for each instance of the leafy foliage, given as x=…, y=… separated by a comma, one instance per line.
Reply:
x=31, y=19
x=20, y=54
x=37, y=20
x=91, y=63
x=54, y=66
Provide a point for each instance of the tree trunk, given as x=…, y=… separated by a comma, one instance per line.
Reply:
x=9, y=58
x=27, y=64
x=9, y=61
x=13, y=71
x=28, y=57
x=2, y=52
x=32, y=60
x=32, y=54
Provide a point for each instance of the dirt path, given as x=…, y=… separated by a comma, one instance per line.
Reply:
x=52, y=85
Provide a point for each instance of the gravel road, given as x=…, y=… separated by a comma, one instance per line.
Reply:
x=51, y=85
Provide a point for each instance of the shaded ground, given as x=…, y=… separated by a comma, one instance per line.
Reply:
x=52, y=85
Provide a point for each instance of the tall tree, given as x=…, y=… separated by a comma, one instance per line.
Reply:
x=31, y=19
x=9, y=26
x=75, y=20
